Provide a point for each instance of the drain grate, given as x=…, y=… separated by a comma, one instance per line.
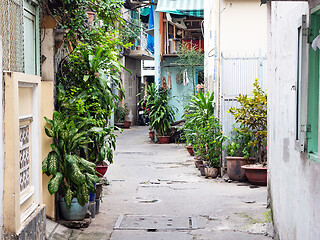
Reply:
x=154, y=223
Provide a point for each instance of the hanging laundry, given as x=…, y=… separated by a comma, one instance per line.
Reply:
x=185, y=77
x=169, y=82
x=164, y=84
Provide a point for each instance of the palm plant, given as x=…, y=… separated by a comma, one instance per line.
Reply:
x=205, y=128
x=75, y=175
x=161, y=114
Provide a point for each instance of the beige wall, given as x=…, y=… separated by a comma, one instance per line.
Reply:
x=243, y=27
x=21, y=90
x=47, y=108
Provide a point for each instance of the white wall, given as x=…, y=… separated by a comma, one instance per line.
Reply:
x=293, y=179
x=232, y=28
x=243, y=27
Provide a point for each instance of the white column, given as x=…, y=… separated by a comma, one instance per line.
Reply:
x=1, y=143
x=157, y=47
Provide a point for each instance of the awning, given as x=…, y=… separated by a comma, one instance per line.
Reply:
x=182, y=7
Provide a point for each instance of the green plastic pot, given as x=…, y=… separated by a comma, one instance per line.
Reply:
x=76, y=211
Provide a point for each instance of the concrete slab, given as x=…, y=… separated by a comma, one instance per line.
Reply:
x=143, y=235
x=160, y=180
x=140, y=222
x=227, y=235
x=50, y=227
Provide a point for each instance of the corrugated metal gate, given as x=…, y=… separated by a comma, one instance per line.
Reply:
x=237, y=76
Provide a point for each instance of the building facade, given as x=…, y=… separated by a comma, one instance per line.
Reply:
x=293, y=110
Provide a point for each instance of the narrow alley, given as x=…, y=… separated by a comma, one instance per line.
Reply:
x=155, y=192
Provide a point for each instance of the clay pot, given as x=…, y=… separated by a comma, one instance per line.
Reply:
x=202, y=168
x=151, y=135
x=126, y=124
x=197, y=162
x=164, y=139
x=234, y=170
x=211, y=172
x=101, y=170
x=190, y=150
x=256, y=174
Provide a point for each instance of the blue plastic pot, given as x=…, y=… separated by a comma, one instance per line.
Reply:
x=76, y=211
x=92, y=196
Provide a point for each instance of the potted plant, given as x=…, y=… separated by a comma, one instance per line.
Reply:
x=72, y=175
x=104, y=139
x=252, y=117
x=213, y=137
x=204, y=130
x=188, y=132
x=120, y=113
x=161, y=116
x=238, y=154
x=152, y=93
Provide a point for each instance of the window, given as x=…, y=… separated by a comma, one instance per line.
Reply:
x=302, y=86
x=31, y=39
x=313, y=88
x=298, y=83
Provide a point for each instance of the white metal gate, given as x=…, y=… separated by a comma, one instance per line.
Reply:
x=237, y=77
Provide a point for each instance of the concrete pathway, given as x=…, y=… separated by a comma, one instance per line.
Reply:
x=155, y=192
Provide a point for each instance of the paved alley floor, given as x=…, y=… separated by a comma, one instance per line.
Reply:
x=155, y=192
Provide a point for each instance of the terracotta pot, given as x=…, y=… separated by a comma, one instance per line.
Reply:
x=101, y=170
x=197, y=162
x=202, y=168
x=211, y=172
x=91, y=16
x=126, y=124
x=164, y=139
x=151, y=135
x=234, y=170
x=256, y=175
x=190, y=150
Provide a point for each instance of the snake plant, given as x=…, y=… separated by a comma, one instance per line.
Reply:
x=75, y=175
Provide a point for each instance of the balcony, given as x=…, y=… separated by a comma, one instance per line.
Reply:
x=139, y=39
x=178, y=31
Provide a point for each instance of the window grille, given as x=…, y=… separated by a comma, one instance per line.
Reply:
x=24, y=139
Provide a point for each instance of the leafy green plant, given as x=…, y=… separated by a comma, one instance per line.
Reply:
x=237, y=144
x=161, y=114
x=74, y=174
x=203, y=129
x=252, y=117
x=121, y=112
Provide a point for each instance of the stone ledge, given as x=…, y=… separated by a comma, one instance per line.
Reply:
x=34, y=227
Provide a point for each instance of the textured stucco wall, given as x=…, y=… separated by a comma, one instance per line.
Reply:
x=293, y=179
x=47, y=106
